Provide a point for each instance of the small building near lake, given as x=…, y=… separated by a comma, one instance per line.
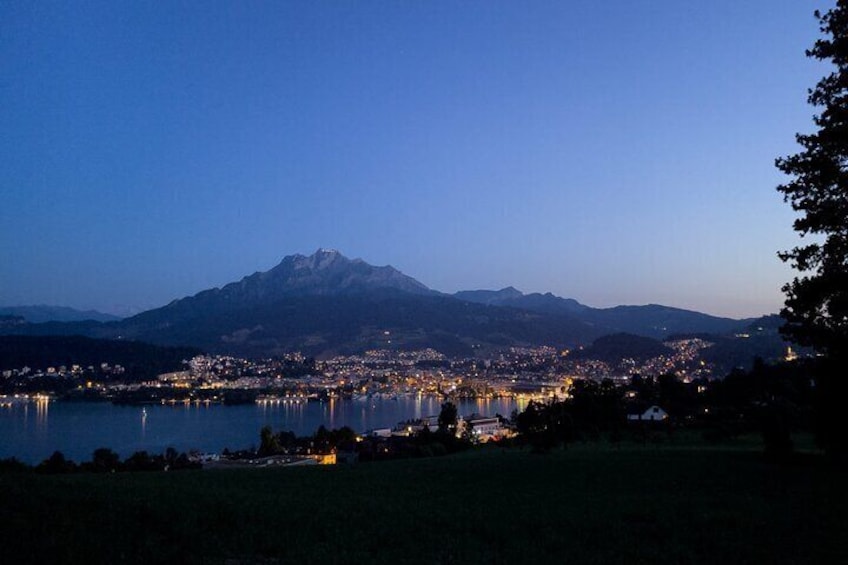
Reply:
x=652, y=414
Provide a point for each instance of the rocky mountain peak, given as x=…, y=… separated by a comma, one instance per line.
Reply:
x=325, y=272
x=321, y=259
x=510, y=292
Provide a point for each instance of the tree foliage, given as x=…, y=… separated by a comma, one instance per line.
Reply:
x=545, y=425
x=448, y=417
x=816, y=307
x=269, y=444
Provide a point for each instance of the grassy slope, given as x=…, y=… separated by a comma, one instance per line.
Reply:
x=589, y=504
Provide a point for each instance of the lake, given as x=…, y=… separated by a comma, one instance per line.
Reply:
x=32, y=431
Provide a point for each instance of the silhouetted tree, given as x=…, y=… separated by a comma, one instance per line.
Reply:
x=816, y=307
x=593, y=406
x=545, y=426
x=675, y=396
x=56, y=463
x=171, y=456
x=817, y=303
x=530, y=420
x=287, y=440
x=12, y=465
x=269, y=444
x=424, y=435
x=560, y=423
x=343, y=437
x=104, y=460
x=322, y=440
x=448, y=418
x=142, y=461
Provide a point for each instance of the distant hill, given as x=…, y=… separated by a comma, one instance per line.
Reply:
x=659, y=321
x=730, y=352
x=613, y=348
x=651, y=320
x=141, y=360
x=510, y=296
x=40, y=314
x=766, y=324
x=759, y=338
x=489, y=297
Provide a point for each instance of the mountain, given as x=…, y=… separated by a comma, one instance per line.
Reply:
x=655, y=320
x=766, y=324
x=652, y=320
x=510, y=296
x=759, y=338
x=40, y=314
x=352, y=323
x=326, y=304
x=490, y=297
x=326, y=272
x=615, y=347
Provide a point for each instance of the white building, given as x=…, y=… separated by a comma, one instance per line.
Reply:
x=652, y=414
x=484, y=428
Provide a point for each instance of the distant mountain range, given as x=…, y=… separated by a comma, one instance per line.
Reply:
x=652, y=320
x=326, y=304
x=40, y=314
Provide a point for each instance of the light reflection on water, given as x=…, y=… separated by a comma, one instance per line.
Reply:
x=42, y=406
x=31, y=431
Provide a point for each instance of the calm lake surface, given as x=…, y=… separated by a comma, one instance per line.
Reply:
x=33, y=431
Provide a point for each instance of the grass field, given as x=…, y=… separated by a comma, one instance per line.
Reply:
x=672, y=503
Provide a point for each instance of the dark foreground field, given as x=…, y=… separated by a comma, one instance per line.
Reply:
x=587, y=504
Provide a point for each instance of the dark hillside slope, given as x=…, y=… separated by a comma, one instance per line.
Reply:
x=141, y=360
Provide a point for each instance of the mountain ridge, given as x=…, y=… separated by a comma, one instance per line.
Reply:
x=40, y=313
x=325, y=304
x=651, y=320
x=325, y=272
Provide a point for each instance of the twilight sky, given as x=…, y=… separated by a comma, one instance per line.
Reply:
x=611, y=151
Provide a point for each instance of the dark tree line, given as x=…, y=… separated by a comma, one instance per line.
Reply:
x=423, y=443
x=591, y=409
x=772, y=399
x=104, y=460
x=323, y=441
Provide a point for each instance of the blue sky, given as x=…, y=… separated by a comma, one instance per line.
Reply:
x=611, y=151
